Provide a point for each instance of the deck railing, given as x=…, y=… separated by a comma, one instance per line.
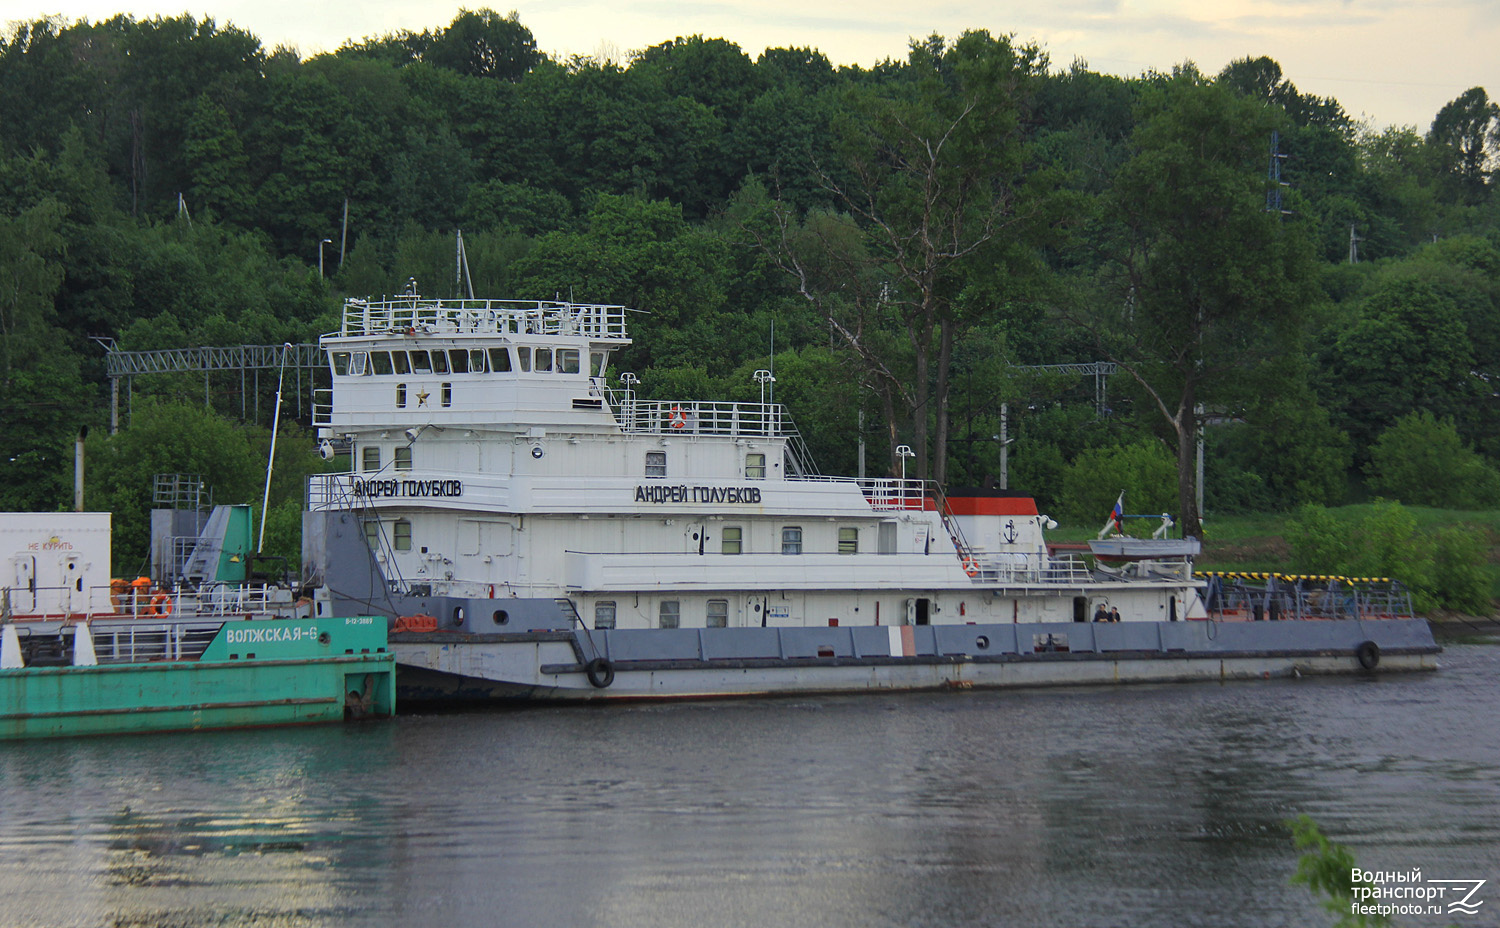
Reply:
x=415, y=314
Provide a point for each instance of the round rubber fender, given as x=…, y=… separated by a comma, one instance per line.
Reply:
x=1368, y=655
x=601, y=673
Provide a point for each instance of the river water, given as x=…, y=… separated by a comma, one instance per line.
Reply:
x=1143, y=805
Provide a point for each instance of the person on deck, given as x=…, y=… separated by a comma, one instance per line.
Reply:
x=1100, y=614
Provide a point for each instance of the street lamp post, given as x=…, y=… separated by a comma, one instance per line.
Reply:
x=326, y=241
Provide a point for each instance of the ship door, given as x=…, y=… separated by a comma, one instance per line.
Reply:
x=919, y=611
x=695, y=538
x=23, y=589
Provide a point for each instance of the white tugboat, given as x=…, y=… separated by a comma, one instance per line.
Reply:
x=534, y=533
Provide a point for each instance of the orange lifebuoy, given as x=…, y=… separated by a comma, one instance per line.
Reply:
x=971, y=568
x=161, y=605
x=678, y=421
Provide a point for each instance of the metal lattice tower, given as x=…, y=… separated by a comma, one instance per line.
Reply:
x=244, y=359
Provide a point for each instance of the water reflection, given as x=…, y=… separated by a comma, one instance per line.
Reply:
x=1133, y=806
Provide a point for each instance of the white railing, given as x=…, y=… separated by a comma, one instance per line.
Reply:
x=696, y=417
x=416, y=315
x=137, y=642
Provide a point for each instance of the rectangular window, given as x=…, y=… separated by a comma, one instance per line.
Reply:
x=791, y=540
x=567, y=360
x=848, y=541
x=401, y=535
x=733, y=540
x=370, y=457
x=402, y=460
x=670, y=614
x=604, y=615
x=499, y=360
x=359, y=364
x=460, y=359
x=523, y=355
x=718, y=614
x=447, y=392
x=381, y=361
x=543, y=360
x=421, y=362
x=755, y=467
x=400, y=362
x=656, y=463
x=400, y=394
x=372, y=534
x=440, y=362
x=596, y=363
x=476, y=360
x=340, y=363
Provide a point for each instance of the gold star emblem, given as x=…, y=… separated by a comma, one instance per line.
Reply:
x=422, y=398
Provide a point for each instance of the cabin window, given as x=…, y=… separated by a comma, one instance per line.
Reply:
x=718, y=614
x=543, y=360
x=440, y=362
x=791, y=540
x=476, y=360
x=421, y=362
x=567, y=360
x=499, y=360
x=359, y=364
x=523, y=355
x=447, y=392
x=340, y=363
x=372, y=534
x=848, y=540
x=732, y=540
x=401, y=535
x=400, y=362
x=596, y=363
x=400, y=394
x=670, y=614
x=380, y=361
x=656, y=463
x=402, y=459
x=460, y=359
x=604, y=615
x=755, y=466
x=370, y=455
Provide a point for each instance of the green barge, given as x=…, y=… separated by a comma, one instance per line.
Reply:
x=115, y=676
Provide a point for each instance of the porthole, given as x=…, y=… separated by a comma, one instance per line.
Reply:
x=537, y=452
x=982, y=642
x=458, y=615
x=501, y=616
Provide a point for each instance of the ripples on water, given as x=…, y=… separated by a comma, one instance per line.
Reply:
x=1146, y=805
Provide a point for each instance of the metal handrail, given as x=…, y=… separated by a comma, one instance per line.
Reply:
x=415, y=314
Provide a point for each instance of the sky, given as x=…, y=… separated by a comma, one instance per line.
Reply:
x=1389, y=62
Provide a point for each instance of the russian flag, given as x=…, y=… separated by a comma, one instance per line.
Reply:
x=1117, y=516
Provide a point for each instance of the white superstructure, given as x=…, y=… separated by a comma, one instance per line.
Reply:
x=492, y=459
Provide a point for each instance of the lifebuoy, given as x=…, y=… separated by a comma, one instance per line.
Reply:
x=601, y=672
x=161, y=604
x=1368, y=655
x=971, y=568
x=678, y=420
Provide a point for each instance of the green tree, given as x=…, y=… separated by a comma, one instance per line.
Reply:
x=482, y=43
x=1208, y=286
x=1466, y=133
x=1093, y=482
x=1420, y=460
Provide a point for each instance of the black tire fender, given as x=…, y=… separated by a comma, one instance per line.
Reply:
x=601, y=672
x=1368, y=655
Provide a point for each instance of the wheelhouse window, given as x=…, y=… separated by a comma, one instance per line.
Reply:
x=596, y=363
x=669, y=614
x=718, y=614
x=370, y=458
x=791, y=540
x=439, y=362
x=421, y=362
x=755, y=466
x=400, y=394
x=542, y=360
x=732, y=540
x=604, y=615
x=567, y=360
x=380, y=361
x=499, y=360
x=656, y=463
x=340, y=363
x=402, y=458
x=401, y=535
x=400, y=362
x=848, y=540
x=459, y=359
x=523, y=355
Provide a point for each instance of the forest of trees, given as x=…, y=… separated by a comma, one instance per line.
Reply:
x=1319, y=299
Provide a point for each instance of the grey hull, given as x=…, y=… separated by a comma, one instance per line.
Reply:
x=722, y=662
